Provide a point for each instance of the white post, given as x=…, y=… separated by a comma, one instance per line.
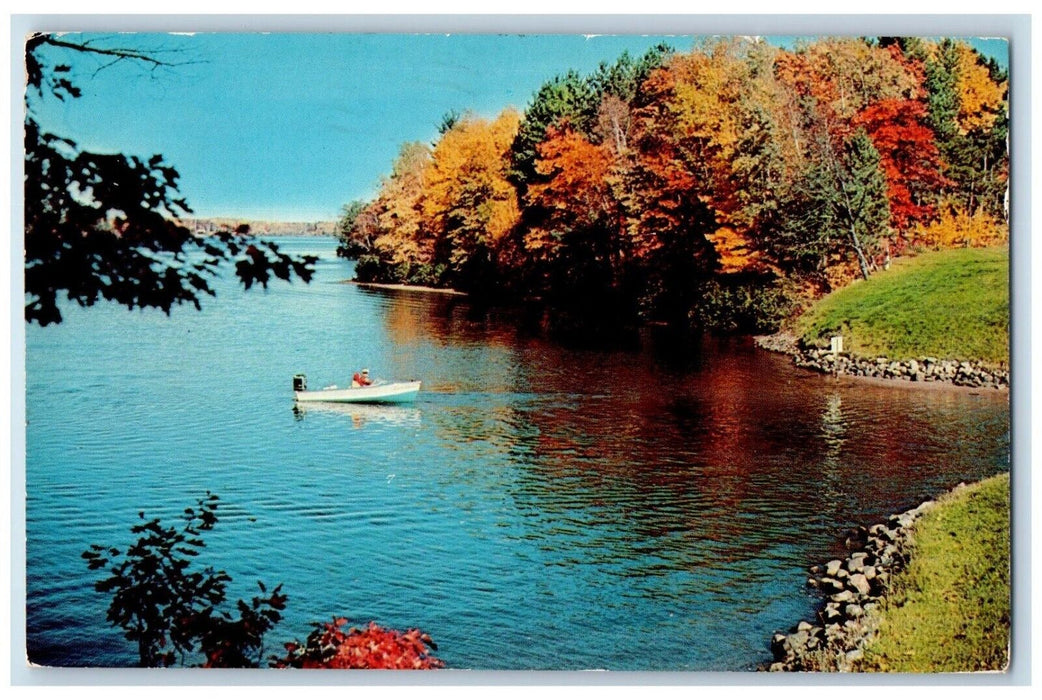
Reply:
x=837, y=344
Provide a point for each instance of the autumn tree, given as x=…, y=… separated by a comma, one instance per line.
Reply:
x=676, y=185
x=707, y=144
x=616, y=87
x=574, y=235
x=596, y=106
x=354, y=235
x=564, y=97
x=399, y=248
x=468, y=203
x=842, y=76
x=105, y=225
x=908, y=156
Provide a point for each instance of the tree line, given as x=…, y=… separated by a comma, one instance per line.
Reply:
x=721, y=187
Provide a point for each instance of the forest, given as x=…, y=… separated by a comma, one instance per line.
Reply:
x=724, y=188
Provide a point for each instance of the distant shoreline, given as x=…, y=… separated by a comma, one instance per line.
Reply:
x=258, y=227
x=405, y=287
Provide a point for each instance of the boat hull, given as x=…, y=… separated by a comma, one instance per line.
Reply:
x=393, y=392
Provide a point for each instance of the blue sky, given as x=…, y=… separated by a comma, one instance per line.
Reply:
x=292, y=126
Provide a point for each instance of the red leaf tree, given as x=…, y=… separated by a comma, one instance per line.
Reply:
x=908, y=156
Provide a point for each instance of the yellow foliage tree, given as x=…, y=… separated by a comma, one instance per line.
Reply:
x=468, y=204
x=400, y=237
x=957, y=228
x=980, y=98
x=721, y=103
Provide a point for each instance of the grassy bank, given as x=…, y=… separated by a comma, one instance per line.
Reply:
x=951, y=304
x=950, y=610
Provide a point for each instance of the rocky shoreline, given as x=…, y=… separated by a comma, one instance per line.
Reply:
x=924, y=369
x=853, y=590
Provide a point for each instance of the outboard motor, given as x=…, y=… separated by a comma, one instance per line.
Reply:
x=300, y=382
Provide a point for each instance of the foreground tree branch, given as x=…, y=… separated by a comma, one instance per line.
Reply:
x=106, y=226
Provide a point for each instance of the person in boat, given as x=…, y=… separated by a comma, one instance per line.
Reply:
x=361, y=379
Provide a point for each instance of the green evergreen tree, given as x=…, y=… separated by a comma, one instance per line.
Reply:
x=569, y=97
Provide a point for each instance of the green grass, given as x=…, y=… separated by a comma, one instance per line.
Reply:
x=951, y=304
x=950, y=610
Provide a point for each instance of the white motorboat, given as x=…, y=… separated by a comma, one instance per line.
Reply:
x=378, y=392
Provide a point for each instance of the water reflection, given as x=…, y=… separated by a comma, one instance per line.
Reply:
x=361, y=414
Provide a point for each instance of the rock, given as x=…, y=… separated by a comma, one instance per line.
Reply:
x=831, y=585
x=853, y=610
x=797, y=640
x=804, y=626
x=860, y=583
x=843, y=596
x=832, y=568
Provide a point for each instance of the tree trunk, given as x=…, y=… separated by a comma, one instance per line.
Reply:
x=856, y=243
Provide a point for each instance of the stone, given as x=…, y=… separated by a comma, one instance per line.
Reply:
x=870, y=572
x=798, y=640
x=859, y=583
x=804, y=626
x=832, y=568
x=853, y=610
x=843, y=596
x=832, y=585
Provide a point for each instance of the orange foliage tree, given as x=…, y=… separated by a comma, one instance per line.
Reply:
x=575, y=239
x=390, y=228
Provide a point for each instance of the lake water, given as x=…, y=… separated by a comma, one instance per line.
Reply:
x=538, y=507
